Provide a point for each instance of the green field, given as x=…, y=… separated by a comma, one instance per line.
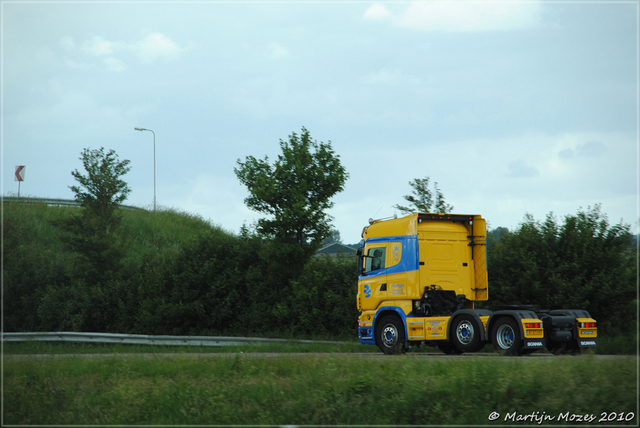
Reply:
x=316, y=389
x=36, y=347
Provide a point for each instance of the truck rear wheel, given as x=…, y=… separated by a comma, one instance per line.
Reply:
x=505, y=336
x=466, y=334
x=390, y=335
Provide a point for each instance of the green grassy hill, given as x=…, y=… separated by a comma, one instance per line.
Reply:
x=31, y=225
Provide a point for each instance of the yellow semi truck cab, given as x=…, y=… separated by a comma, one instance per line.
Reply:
x=420, y=276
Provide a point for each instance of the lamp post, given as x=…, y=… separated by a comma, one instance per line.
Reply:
x=154, y=163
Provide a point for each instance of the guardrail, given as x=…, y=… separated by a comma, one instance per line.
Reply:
x=141, y=339
x=56, y=202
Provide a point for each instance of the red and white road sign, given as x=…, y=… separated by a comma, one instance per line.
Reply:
x=20, y=170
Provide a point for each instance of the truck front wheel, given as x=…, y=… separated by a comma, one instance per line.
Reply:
x=466, y=334
x=390, y=335
x=505, y=336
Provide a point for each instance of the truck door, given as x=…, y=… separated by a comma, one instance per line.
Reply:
x=373, y=283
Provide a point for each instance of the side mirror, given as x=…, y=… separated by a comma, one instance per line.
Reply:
x=360, y=260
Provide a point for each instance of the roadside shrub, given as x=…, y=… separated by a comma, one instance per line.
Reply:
x=584, y=263
x=323, y=300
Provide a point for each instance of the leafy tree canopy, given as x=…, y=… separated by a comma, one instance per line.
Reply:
x=101, y=189
x=498, y=233
x=423, y=199
x=333, y=238
x=295, y=191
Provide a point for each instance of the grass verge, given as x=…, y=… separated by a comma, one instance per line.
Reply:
x=315, y=390
x=37, y=347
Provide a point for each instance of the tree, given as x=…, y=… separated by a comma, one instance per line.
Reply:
x=498, y=233
x=423, y=200
x=295, y=192
x=99, y=192
x=333, y=237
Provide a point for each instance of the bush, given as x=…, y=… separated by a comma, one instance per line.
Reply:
x=323, y=299
x=584, y=263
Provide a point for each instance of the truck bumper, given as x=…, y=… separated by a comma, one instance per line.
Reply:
x=365, y=334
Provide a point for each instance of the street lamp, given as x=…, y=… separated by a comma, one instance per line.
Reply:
x=154, y=163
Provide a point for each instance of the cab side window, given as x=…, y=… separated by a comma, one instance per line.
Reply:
x=375, y=259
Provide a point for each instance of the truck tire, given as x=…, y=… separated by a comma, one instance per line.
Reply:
x=390, y=335
x=505, y=336
x=465, y=334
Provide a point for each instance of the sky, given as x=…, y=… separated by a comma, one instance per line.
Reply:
x=513, y=108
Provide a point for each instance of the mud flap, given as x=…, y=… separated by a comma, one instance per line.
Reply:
x=587, y=342
x=533, y=343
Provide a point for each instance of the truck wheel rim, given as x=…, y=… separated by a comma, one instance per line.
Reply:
x=389, y=336
x=505, y=336
x=465, y=332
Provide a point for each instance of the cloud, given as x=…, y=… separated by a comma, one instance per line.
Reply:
x=157, y=46
x=76, y=65
x=98, y=46
x=276, y=51
x=590, y=149
x=566, y=154
x=114, y=64
x=520, y=169
x=377, y=12
x=462, y=15
x=68, y=43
